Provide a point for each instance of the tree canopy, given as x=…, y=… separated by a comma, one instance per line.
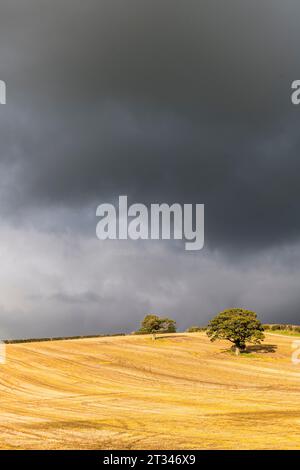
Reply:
x=238, y=326
x=153, y=324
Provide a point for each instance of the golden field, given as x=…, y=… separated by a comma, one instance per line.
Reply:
x=178, y=392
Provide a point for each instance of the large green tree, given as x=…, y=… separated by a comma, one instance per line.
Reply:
x=153, y=324
x=238, y=326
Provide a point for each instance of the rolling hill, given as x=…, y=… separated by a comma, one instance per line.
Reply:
x=178, y=392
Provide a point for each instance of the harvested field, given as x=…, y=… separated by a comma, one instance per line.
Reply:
x=178, y=392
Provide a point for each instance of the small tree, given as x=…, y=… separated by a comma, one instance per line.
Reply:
x=238, y=326
x=152, y=324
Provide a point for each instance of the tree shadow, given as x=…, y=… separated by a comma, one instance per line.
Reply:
x=261, y=348
x=256, y=348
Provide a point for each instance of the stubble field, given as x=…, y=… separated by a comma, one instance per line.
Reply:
x=178, y=392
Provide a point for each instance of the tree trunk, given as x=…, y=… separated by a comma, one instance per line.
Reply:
x=239, y=348
x=153, y=336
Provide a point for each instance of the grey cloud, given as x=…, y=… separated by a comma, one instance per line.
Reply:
x=56, y=288
x=173, y=101
x=161, y=100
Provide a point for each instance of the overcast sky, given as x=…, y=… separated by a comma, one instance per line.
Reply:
x=165, y=101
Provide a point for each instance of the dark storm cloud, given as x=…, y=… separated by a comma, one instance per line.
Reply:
x=183, y=101
x=170, y=54
x=165, y=101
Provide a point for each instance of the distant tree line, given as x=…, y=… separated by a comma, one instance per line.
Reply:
x=196, y=329
x=59, y=338
x=282, y=327
x=237, y=325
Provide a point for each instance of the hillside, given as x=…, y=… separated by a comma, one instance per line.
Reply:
x=179, y=392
